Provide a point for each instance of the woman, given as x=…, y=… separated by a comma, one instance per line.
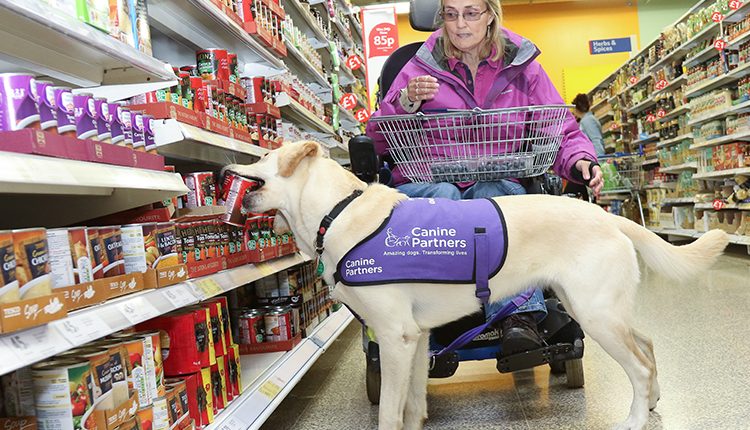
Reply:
x=590, y=126
x=473, y=62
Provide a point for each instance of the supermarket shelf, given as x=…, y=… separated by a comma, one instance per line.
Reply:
x=345, y=76
x=201, y=24
x=672, y=141
x=345, y=37
x=739, y=14
x=660, y=186
x=676, y=112
x=608, y=114
x=599, y=104
x=347, y=119
x=318, y=37
x=294, y=111
x=306, y=69
x=733, y=238
x=722, y=174
x=92, y=323
x=39, y=41
x=727, y=206
x=679, y=52
x=186, y=142
x=737, y=109
x=702, y=56
x=678, y=201
x=268, y=378
x=711, y=29
x=650, y=138
x=651, y=161
x=641, y=80
x=693, y=165
x=735, y=44
x=672, y=85
x=356, y=26
x=711, y=84
x=99, y=188
x=642, y=105
x=743, y=136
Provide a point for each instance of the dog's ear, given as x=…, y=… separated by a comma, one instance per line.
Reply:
x=280, y=224
x=297, y=151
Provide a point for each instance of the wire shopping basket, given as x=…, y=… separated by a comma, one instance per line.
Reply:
x=622, y=173
x=475, y=145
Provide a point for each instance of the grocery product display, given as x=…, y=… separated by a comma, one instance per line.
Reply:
x=682, y=105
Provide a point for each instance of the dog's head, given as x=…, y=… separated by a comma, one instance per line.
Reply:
x=279, y=173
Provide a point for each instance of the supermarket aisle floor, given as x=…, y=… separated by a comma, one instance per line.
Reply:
x=700, y=333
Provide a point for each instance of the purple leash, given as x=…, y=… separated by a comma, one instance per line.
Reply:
x=482, y=272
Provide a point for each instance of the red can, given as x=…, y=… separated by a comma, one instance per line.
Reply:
x=202, y=189
x=234, y=192
x=278, y=323
x=213, y=64
x=233, y=66
x=252, y=327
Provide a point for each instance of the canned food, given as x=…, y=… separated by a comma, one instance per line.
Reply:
x=278, y=324
x=101, y=374
x=98, y=255
x=174, y=408
x=235, y=188
x=187, y=90
x=146, y=417
x=111, y=238
x=252, y=327
x=18, y=102
x=69, y=257
x=233, y=65
x=103, y=120
x=32, y=262
x=138, y=379
x=9, y=292
x=45, y=102
x=152, y=340
x=117, y=136
x=139, y=138
x=201, y=189
x=18, y=393
x=85, y=116
x=119, y=368
x=191, y=70
x=200, y=97
x=125, y=118
x=148, y=134
x=65, y=111
x=212, y=64
x=161, y=414
x=60, y=394
x=166, y=241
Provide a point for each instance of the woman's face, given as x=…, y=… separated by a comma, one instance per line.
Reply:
x=466, y=35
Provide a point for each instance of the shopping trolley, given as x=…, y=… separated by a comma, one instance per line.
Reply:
x=482, y=145
x=623, y=175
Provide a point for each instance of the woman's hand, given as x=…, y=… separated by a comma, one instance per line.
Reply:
x=422, y=88
x=597, y=182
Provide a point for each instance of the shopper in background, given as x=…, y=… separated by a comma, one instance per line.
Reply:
x=472, y=61
x=590, y=126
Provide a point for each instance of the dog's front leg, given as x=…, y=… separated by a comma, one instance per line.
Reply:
x=398, y=346
x=416, y=399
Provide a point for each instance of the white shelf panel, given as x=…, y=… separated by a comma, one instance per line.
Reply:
x=735, y=44
x=737, y=109
x=672, y=141
x=678, y=53
x=347, y=119
x=704, y=87
x=123, y=312
x=676, y=112
x=651, y=162
x=647, y=139
x=268, y=378
x=294, y=111
x=186, y=142
x=304, y=69
x=708, y=31
x=702, y=56
x=307, y=23
x=693, y=165
x=722, y=174
x=743, y=136
x=345, y=75
x=678, y=201
x=672, y=85
x=642, y=105
x=49, y=43
x=201, y=24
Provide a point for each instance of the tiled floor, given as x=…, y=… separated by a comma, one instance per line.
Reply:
x=701, y=333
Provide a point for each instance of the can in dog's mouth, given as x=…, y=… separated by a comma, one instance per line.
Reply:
x=234, y=189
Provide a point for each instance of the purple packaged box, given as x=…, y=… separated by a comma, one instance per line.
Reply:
x=18, y=97
x=85, y=116
x=103, y=119
x=126, y=120
x=115, y=125
x=45, y=102
x=148, y=133
x=139, y=143
x=65, y=111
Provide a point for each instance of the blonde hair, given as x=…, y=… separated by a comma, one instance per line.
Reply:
x=495, y=38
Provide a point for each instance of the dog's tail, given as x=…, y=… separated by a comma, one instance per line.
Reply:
x=676, y=262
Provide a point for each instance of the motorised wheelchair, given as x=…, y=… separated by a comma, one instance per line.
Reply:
x=563, y=336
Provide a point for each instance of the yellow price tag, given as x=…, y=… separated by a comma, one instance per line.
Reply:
x=270, y=389
x=209, y=286
x=265, y=269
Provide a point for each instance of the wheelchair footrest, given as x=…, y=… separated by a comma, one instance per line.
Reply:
x=444, y=366
x=537, y=357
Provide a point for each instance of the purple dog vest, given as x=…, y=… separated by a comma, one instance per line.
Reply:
x=430, y=241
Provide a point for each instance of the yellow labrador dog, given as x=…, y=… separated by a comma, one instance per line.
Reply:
x=587, y=256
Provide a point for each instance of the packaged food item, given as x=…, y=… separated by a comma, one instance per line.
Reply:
x=121, y=25
x=32, y=262
x=234, y=190
x=70, y=260
x=217, y=327
x=65, y=112
x=101, y=375
x=146, y=417
x=252, y=327
x=149, y=139
x=120, y=368
x=116, y=130
x=233, y=65
x=85, y=116
x=278, y=324
x=180, y=392
x=201, y=189
x=166, y=242
x=111, y=238
x=18, y=102
x=219, y=384
x=139, y=140
x=213, y=64
x=185, y=340
x=143, y=31
x=161, y=414
x=103, y=120
x=139, y=374
x=152, y=339
x=234, y=370
x=94, y=13
x=9, y=291
x=18, y=393
x=45, y=102
x=126, y=121
x=98, y=254
x=60, y=394
x=139, y=247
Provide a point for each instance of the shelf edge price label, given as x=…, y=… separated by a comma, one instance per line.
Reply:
x=137, y=310
x=179, y=295
x=720, y=44
x=354, y=62
x=36, y=343
x=209, y=287
x=265, y=269
x=717, y=17
x=735, y=4
x=650, y=117
x=82, y=328
x=270, y=388
x=348, y=101
x=614, y=127
x=633, y=80
x=362, y=115
x=661, y=84
x=718, y=205
x=661, y=113
x=233, y=423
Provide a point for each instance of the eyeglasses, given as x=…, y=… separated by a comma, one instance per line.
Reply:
x=469, y=15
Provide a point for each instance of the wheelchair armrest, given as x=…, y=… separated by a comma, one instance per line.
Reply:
x=364, y=160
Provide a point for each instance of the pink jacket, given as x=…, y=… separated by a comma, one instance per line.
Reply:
x=520, y=81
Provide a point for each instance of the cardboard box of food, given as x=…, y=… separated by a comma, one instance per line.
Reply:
x=32, y=312
x=169, y=110
x=37, y=142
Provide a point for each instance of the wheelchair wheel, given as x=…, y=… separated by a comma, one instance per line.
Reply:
x=574, y=373
x=373, y=382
